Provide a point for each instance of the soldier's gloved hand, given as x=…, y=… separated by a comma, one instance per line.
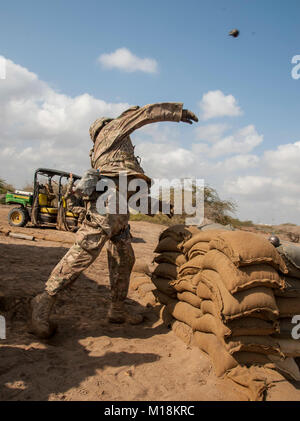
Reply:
x=187, y=116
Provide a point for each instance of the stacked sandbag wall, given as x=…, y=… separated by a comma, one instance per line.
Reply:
x=232, y=297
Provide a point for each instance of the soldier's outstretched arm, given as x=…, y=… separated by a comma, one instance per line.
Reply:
x=152, y=113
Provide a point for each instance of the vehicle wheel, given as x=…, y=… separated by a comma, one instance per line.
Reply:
x=18, y=217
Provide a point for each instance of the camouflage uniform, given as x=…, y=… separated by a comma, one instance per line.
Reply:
x=73, y=203
x=112, y=153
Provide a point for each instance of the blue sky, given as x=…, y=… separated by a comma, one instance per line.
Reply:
x=61, y=41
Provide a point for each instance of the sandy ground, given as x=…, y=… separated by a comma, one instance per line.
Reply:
x=89, y=359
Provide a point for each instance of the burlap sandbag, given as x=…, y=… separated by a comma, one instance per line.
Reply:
x=291, y=288
x=166, y=317
x=164, y=298
x=167, y=244
x=291, y=255
x=254, y=381
x=238, y=279
x=183, y=331
x=220, y=358
x=288, y=367
x=246, y=248
x=136, y=281
x=260, y=344
x=163, y=285
x=191, y=267
x=178, y=232
x=184, y=284
x=171, y=257
x=285, y=328
x=288, y=307
x=240, y=327
x=203, y=236
x=184, y=312
x=253, y=301
x=141, y=267
x=190, y=298
x=166, y=270
x=145, y=288
x=289, y=347
x=200, y=248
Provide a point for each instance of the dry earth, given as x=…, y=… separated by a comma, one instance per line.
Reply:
x=89, y=359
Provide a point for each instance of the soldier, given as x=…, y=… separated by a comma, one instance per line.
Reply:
x=74, y=204
x=112, y=154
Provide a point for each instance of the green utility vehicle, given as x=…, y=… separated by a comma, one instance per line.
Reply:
x=43, y=206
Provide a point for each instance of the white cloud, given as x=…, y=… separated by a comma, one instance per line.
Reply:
x=217, y=104
x=124, y=59
x=42, y=128
x=211, y=132
x=241, y=141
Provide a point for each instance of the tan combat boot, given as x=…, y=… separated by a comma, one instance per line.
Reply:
x=39, y=323
x=119, y=314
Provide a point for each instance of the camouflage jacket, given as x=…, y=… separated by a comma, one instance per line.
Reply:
x=113, y=151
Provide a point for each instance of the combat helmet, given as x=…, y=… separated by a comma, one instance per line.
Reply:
x=97, y=126
x=274, y=240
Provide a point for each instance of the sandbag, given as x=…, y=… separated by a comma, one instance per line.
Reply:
x=288, y=367
x=255, y=381
x=166, y=270
x=252, y=358
x=239, y=327
x=238, y=279
x=246, y=248
x=191, y=267
x=136, y=281
x=184, y=284
x=182, y=331
x=167, y=244
x=291, y=256
x=288, y=307
x=163, y=285
x=200, y=248
x=164, y=298
x=289, y=347
x=220, y=358
x=171, y=257
x=206, y=236
x=141, y=267
x=178, y=232
x=260, y=344
x=257, y=300
x=145, y=288
x=166, y=317
x=285, y=328
x=189, y=298
x=184, y=312
x=291, y=288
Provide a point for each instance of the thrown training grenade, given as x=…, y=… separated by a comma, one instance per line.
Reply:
x=234, y=33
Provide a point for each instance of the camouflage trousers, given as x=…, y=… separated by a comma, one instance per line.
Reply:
x=96, y=230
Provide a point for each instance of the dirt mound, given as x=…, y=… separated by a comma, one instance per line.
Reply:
x=89, y=359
